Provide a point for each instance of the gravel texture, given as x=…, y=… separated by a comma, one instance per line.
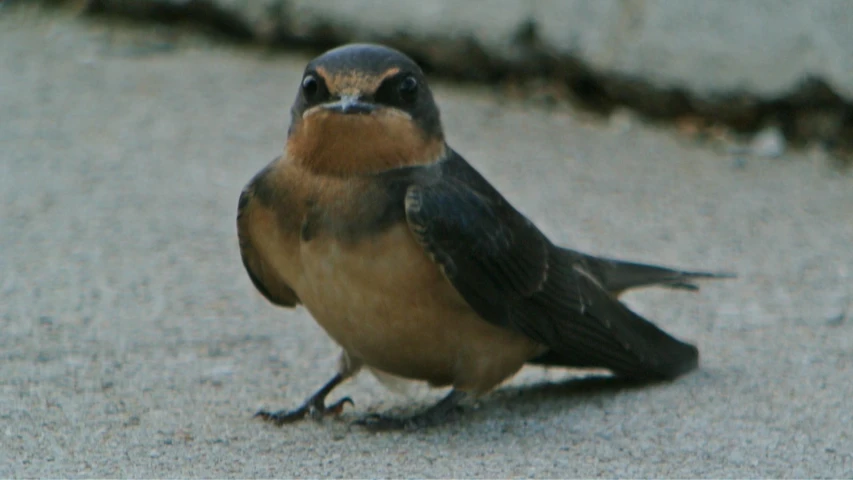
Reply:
x=132, y=343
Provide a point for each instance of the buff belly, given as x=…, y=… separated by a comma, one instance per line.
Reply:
x=387, y=304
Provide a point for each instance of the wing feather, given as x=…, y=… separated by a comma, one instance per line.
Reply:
x=513, y=276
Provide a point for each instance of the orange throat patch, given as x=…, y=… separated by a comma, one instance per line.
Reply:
x=340, y=144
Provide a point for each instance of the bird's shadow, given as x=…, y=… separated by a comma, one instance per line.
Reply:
x=566, y=393
x=527, y=399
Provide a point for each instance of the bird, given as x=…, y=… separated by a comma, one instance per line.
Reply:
x=415, y=265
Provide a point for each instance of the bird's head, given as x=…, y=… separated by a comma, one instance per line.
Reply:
x=364, y=109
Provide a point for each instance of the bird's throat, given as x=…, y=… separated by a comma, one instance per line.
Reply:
x=331, y=143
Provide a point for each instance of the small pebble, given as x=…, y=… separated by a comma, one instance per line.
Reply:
x=768, y=143
x=622, y=120
x=837, y=310
x=836, y=320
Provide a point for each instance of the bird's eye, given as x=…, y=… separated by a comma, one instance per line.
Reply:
x=310, y=87
x=408, y=88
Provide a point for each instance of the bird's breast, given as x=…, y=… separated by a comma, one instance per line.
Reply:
x=347, y=252
x=384, y=302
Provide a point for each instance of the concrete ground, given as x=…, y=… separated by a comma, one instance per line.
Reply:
x=132, y=343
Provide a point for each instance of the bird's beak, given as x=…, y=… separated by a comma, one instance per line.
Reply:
x=350, y=104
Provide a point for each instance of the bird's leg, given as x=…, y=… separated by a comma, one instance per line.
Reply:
x=315, y=406
x=434, y=415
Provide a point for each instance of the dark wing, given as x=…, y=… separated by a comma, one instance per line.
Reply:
x=512, y=276
x=263, y=276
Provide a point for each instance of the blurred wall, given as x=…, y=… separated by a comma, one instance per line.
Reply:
x=742, y=63
x=765, y=48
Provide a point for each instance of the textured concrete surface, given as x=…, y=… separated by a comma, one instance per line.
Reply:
x=132, y=344
x=763, y=48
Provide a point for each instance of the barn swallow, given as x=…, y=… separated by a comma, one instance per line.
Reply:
x=415, y=264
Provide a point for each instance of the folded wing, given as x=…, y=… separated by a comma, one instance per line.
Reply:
x=512, y=276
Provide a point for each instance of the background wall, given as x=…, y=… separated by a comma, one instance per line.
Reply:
x=745, y=64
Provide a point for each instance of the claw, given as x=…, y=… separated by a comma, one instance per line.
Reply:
x=315, y=409
x=314, y=406
x=366, y=419
x=282, y=417
x=380, y=423
x=338, y=407
x=435, y=415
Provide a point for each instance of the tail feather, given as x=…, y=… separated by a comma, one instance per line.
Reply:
x=617, y=276
x=589, y=327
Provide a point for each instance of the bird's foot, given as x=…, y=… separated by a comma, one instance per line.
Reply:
x=314, y=407
x=376, y=422
x=438, y=414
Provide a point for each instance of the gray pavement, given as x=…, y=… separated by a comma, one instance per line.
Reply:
x=133, y=344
